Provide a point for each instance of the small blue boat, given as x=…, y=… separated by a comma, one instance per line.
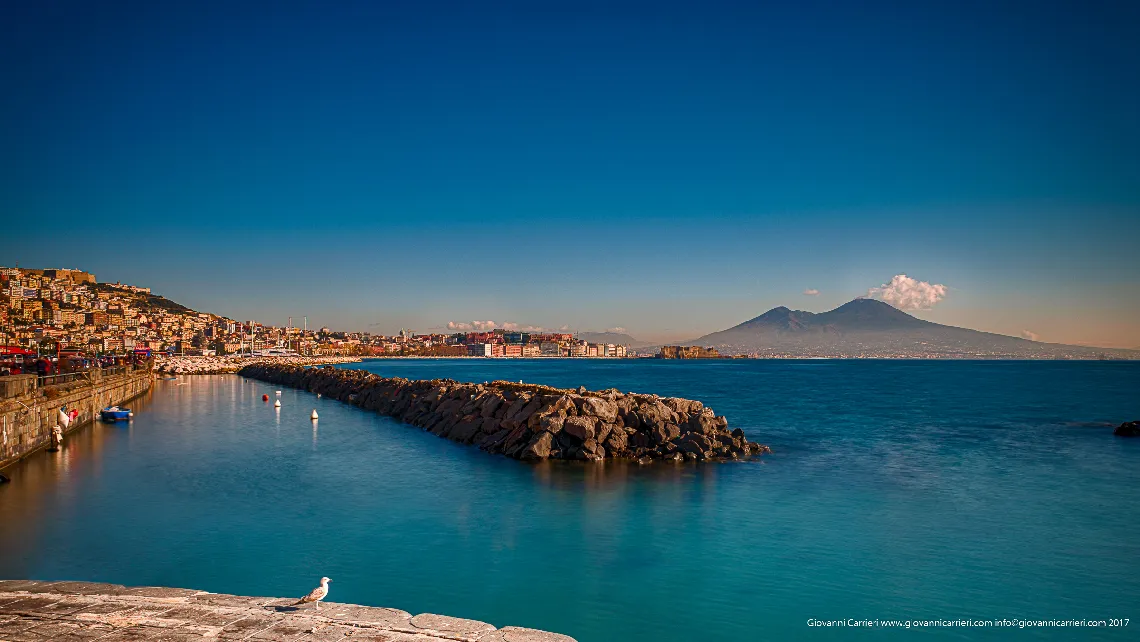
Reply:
x=115, y=413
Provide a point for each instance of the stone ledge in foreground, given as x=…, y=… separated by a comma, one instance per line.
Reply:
x=33, y=611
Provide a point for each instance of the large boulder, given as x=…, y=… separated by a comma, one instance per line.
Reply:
x=704, y=423
x=662, y=433
x=552, y=423
x=539, y=447
x=465, y=430
x=580, y=428
x=694, y=443
x=491, y=404
x=603, y=409
x=616, y=443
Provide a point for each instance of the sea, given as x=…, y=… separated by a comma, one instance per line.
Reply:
x=945, y=500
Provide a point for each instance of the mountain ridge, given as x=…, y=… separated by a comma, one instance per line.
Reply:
x=866, y=327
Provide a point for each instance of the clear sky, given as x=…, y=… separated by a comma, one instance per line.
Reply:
x=669, y=168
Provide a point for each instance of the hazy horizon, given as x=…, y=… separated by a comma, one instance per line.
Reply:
x=666, y=169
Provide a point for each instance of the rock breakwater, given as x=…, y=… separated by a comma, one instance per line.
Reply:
x=531, y=422
x=233, y=363
x=1128, y=429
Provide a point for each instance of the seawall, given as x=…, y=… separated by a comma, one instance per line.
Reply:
x=28, y=416
x=532, y=422
x=31, y=610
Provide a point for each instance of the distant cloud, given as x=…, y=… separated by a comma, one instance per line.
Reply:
x=616, y=330
x=463, y=326
x=811, y=292
x=1032, y=336
x=906, y=293
x=487, y=326
x=522, y=327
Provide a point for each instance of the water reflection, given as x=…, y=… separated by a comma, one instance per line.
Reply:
x=40, y=491
x=194, y=493
x=613, y=476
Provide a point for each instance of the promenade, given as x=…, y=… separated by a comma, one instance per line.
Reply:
x=33, y=611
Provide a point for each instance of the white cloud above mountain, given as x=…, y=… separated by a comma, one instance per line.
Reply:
x=906, y=293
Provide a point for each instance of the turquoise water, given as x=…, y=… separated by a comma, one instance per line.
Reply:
x=897, y=490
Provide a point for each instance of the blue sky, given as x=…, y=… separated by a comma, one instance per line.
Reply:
x=669, y=168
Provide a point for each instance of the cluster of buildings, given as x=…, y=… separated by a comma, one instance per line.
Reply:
x=688, y=352
x=502, y=343
x=56, y=309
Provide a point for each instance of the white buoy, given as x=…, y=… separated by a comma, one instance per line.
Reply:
x=318, y=395
x=277, y=404
x=314, y=415
x=278, y=393
x=131, y=414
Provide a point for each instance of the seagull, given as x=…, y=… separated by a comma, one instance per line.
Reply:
x=316, y=595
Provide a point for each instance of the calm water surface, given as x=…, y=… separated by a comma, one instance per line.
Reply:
x=898, y=490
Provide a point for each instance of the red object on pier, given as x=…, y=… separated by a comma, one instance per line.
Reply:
x=265, y=397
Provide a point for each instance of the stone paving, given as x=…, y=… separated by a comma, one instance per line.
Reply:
x=32, y=611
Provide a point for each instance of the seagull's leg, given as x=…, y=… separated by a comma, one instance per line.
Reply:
x=318, y=603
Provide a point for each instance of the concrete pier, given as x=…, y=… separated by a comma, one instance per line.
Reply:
x=33, y=611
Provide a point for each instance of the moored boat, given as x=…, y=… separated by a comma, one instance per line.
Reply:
x=115, y=413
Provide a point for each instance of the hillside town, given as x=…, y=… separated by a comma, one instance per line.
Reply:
x=50, y=311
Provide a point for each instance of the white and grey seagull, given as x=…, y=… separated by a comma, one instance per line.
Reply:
x=316, y=595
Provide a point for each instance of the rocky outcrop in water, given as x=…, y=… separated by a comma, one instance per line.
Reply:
x=532, y=422
x=1128, y=429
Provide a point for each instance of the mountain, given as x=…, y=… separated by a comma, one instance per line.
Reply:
x=616, y=338
x=871, y=328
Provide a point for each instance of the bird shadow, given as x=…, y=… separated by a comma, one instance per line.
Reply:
x=283, y=609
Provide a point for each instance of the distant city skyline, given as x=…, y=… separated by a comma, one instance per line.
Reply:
x=669, y=170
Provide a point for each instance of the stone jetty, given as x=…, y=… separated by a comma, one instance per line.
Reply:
x=232, y=363
x=532, y=422
x=66, y=611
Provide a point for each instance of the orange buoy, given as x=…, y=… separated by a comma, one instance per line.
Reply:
x=265, y=397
